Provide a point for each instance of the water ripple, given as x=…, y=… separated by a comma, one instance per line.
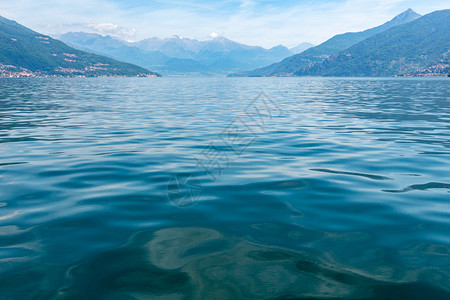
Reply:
x=370, y=176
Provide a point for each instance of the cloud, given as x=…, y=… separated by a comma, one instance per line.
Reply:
x=213, y=35
x=113, y=30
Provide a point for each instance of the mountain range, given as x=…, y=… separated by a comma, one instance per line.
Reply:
x=178, y=55
x=24, y=52
x=409, y=44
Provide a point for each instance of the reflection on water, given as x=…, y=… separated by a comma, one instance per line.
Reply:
x=344, y=196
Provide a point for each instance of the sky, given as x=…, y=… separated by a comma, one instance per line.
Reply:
x=264, y=23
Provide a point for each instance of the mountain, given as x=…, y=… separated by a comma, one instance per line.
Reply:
x=115, y=48
x=24, y=52
x=420, y=47
x=318, y=54
x=173, y=47
x=176, y=55
x=301, y=48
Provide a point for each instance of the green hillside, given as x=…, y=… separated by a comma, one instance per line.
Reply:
x=24, y=52
x=421, y=47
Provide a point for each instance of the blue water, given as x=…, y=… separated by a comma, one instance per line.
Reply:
x=207, y=189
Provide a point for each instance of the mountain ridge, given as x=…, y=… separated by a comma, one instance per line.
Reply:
x=219, y=55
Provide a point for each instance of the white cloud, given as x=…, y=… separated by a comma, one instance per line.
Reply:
x=113, y=30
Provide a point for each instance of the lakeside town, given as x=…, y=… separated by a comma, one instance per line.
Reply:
x=10, y=71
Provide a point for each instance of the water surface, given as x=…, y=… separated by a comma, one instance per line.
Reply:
x=189, y=189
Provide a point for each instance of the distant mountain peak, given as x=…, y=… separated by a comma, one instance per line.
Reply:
x=410, y=11
x=408, y=14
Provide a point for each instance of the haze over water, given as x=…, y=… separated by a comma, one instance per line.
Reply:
x=341, y=191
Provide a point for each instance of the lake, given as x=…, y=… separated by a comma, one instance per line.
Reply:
x=225, y=188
